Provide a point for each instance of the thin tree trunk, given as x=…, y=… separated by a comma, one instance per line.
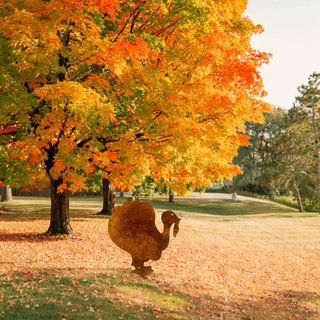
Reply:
x=300, y=205
x=316, y=138
x=109, y=196
x=318, y=178
x=59, y=221
x=171, y=196
x=318, y=193
x=6, y=194
x=121, y=194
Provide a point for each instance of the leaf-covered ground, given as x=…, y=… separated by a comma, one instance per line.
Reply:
x=231, y=260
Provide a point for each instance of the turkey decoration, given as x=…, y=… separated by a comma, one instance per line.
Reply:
x=132, y=228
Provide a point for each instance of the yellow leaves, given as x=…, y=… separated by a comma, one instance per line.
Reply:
x=119, y=67
x=100, y=160
x=84, y=106
x=76, y=183
x=74, y=96
x=61, y=93
x=73, y=181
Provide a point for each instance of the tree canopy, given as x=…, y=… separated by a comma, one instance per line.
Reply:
x=284, y=153
x=132, y=88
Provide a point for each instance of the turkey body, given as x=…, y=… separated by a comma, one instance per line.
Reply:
x=132, y=228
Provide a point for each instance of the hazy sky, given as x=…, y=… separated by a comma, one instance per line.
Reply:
x=292, y=35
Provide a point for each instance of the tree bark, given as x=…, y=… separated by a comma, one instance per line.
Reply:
x=121, y=194
x=300, y=205
x=6, y=194
x=59, y=221
x=171, y=196
x=109, y=196
x=318, y=177
x=317, y=144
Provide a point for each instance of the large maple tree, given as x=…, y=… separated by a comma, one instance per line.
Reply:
x=132, y=88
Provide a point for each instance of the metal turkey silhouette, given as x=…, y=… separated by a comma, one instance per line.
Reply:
x=132, y=228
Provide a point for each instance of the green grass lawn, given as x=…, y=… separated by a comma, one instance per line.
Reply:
x=249, y=259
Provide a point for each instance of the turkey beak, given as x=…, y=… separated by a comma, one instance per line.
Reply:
x=176, y=228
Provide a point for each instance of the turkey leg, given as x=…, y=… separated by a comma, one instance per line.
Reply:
x=140, y=268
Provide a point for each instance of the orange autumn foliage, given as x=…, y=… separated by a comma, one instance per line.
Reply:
x=131, y=88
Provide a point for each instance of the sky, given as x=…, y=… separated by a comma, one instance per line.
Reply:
x=292, y=35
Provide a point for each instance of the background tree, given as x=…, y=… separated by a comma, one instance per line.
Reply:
x=97, y=183
x=301, y=160
x=150, y=187
x=307, y=108
x=293, y=158
x=259, y=157
x=128, y=88
x=281, y=171
x=6, y=194
x=109, y=197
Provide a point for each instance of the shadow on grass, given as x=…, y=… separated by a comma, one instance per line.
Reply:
x=84, y=208
x=47, y=294
x=29, y=237
x=223, y=207
x=25, y=213
x=38, y=208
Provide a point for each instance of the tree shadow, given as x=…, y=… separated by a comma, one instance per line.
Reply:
x=26, y=213
x=223, y=207
x=80, y=210
x=28, y=237
x=286, y=304
x=113, y=291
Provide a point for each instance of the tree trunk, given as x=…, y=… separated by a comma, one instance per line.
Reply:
x=317, y=144
x=300, y=205
x=59, y=222
x=171, y=197
x=318, y=194
x=6, y=194
x=109, y=196
x=121, y=194
x=318, y=176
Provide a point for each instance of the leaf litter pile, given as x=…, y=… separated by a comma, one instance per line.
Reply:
x=218, y=267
